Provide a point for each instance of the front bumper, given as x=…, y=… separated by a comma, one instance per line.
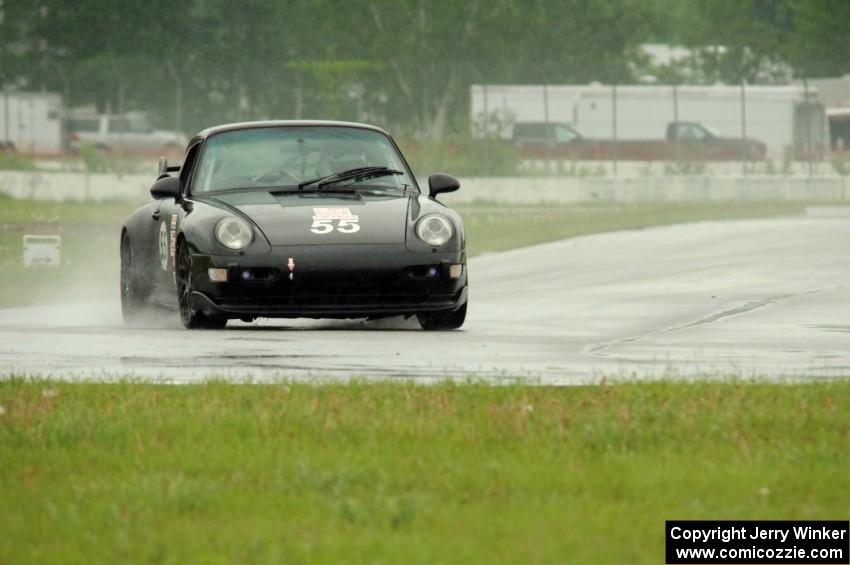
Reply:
x=334, y=281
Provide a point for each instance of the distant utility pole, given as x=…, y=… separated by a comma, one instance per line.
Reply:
x=6, y=113
x=486, y=132
x=808, y=115
x=614, y=127
x=546, y=135
x=744, y=145
x=178, y=97
x=676, y=151
x=486, y=120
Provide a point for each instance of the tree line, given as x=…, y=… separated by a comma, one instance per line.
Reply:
x=406, y=64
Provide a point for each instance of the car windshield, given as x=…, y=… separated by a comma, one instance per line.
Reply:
x=275, y=157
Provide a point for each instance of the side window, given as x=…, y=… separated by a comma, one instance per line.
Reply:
x=687, y=132
x=118, y=125
x=83, y=125
x=700, y=133
x=563, y=134
x=530, y=131
x=189, y=162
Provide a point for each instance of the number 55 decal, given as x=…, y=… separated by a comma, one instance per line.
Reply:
x=324, y=226
x=348, y=226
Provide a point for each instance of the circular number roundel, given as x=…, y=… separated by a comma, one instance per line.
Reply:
x=163, y=246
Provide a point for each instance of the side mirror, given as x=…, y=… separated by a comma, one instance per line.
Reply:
x=163, y=167
x=439, y=183
x=166, y=187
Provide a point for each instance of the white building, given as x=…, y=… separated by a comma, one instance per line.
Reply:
x=31, y=121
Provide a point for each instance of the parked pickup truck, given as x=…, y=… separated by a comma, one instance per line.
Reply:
x=683, y=140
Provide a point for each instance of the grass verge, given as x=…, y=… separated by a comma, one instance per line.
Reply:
x=45, y=212
x=502, y=227
x=405, y=474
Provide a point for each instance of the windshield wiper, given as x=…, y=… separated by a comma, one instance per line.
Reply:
x=358, y=174
x=311, y=190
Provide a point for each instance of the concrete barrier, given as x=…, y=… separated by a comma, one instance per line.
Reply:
x=539, y=190
x=61, y=185
x=517, y=190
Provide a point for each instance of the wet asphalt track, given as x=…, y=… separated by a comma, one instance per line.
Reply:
x=767, y=298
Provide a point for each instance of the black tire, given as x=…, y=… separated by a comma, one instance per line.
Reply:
x=192, y=318
x=134, y=290
x=439, y=321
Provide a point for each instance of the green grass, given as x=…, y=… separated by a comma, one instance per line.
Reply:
x=390, y=473
x=90, y=236
x=89, y=269
x=393, y=473
x=501, y=227
x=14, y=211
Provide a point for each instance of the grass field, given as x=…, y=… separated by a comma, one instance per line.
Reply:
x=89, y=269
x=390, y=473
x=43, y=212
x=501, y=227
x=393, y=473
x=90, y=235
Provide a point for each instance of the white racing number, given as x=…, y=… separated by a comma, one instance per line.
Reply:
x=326, y=220
x=348, y=226
x=163, y=246
x=168, y=243
x=322, y=226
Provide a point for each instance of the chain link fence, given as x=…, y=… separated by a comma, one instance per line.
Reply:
x=649, y=130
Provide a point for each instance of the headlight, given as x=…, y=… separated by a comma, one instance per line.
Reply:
x=234, y=233
x=435, y=230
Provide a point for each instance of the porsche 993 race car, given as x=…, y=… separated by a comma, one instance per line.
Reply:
x=290, y=219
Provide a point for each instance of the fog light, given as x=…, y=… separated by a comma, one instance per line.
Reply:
x=433, y=272
x=246, y=275
x=217, y=275
x=455, y=271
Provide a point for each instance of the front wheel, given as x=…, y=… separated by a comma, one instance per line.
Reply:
x=192, y=318
x=437, y=321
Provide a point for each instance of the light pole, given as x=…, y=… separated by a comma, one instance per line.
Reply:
x=486, y=120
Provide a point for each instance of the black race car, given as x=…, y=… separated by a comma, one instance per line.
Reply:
x=290, y=219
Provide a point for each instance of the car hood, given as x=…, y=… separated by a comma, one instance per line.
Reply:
x=323, y=218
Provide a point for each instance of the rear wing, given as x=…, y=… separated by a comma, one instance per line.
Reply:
x=164, y=168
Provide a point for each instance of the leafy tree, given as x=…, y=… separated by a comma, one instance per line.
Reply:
x=820, y=42
x=406, y=64
x=733, y=39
